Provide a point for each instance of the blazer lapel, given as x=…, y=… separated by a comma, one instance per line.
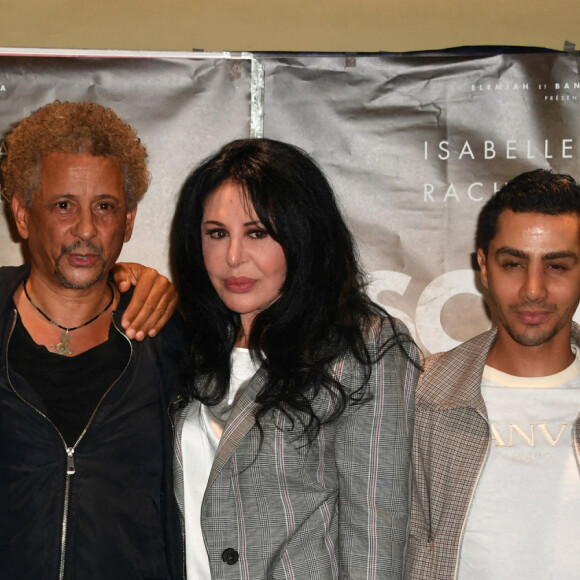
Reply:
x=242, y=419
x=457, y=382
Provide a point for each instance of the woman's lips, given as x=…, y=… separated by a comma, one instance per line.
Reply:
x=239, y=285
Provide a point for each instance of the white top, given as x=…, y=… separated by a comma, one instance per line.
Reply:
x=524, y=521
x=202, y=431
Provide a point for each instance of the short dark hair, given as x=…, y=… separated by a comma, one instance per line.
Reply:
x=538, y=191
x=70, y=127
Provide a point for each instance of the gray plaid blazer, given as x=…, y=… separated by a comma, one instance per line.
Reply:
x=337, y=508
x=449, y=449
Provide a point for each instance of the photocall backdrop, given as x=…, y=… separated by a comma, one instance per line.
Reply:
x=413, y=144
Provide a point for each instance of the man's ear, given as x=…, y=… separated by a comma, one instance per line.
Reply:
x=21, y=214
x=131, y=213
x=482, y=261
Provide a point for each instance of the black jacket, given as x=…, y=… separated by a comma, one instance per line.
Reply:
x=114, y=518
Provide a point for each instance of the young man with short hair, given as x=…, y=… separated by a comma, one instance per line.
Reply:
x=496, y=489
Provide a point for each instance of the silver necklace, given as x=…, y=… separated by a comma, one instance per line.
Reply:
x=63, y=347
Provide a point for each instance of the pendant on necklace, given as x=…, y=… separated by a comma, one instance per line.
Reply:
x=62, y=347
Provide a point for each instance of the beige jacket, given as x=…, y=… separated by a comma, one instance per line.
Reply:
x=450, y=447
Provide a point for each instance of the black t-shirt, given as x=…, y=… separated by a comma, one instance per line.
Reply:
x=70, y=387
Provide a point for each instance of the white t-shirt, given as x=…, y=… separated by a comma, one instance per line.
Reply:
x=202, y=431
x=524, y=521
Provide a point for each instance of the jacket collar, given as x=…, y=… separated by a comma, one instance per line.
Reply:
x=12, y=277
x=242, y=419
x=453, y=379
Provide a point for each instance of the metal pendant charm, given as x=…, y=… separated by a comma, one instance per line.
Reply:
x=62, y=347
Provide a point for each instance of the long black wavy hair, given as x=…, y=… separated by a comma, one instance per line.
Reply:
x=322, y=311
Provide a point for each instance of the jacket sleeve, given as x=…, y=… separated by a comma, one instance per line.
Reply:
x=373, y=444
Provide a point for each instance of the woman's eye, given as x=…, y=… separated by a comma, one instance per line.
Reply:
x=216, y=234
x=258, y=234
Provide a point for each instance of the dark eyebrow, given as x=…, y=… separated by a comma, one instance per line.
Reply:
x=107, y=196
x=507, y=251
x=246, y=224
x=561, y=256
x=514, y=253
x=99, y=197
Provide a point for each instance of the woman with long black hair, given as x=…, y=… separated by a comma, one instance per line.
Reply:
x=294, y=432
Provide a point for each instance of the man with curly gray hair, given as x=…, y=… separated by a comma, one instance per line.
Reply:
x=84, y=437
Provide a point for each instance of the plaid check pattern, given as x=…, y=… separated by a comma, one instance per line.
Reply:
x=450, y=446
x=337, y=508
